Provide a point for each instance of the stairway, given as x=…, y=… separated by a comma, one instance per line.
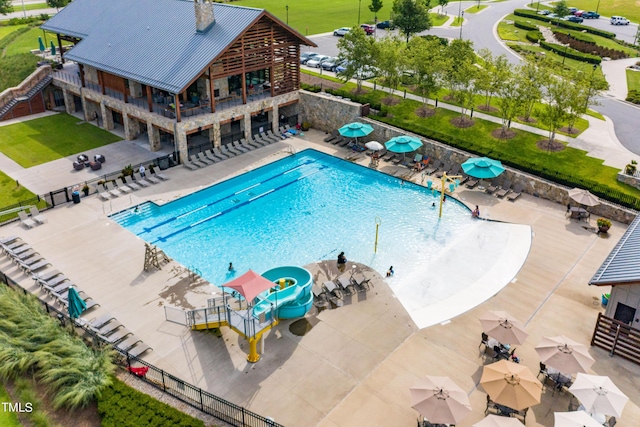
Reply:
x=34, y=90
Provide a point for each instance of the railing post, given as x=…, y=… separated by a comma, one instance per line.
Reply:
x=615, y=341
x=164, y=387
x=243, y=423
x=201, y=401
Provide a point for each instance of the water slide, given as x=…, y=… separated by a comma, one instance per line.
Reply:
x=291, y=296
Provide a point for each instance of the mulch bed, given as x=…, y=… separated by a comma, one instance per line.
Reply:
x=573, y=131
x=390, y=100
x=531, y=120
x=425, y=112
x=490, y=108
x=554, y=146
x=462, y=122
x=508, y=134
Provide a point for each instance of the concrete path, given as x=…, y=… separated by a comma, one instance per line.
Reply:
x=616, y=74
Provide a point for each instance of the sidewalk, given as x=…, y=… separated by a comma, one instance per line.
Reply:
x=616, y=74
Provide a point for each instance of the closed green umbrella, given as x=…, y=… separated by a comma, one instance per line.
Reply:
x=482, y=167
x=41, y=43
x=76, y=304
x=53, y=48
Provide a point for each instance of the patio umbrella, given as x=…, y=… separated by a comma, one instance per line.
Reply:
x=355, y=130
x=41, y=46
x=564, y=354
x=498, y=421
x=503, y=327
x=583, y=197
x=440, y=400
x=511, y=384
x=53, y=48
x=482, y=167
x=374, y=145
x=403, y=144
x=599, y=394
x=574, y=419
x=76, y=304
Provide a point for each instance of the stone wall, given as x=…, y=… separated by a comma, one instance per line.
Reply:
x=628, y=179
x=328, y=113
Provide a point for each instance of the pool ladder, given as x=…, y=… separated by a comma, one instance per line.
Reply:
x=194, y=274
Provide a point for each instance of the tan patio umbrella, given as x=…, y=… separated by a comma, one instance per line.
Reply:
x=503, y=327
x=583, y=197
x=511, y=384
x=440, y=400
x=574, y=419
x=599, y=394
x=498, y=421
x=564, y=354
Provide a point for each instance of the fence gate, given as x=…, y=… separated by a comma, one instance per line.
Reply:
x=616, y=337
x=175, y=315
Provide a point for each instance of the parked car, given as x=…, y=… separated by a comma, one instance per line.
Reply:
x=385, y=25
x=369, y=29
x=591, y=15
x=316, y=61
x=576, y=19
x=573, y=10
x=305, y=56
x=366, y=71
x=578, y=13
x=544, y=12
x=341, y=31
x=330, y=64
x=619, y=20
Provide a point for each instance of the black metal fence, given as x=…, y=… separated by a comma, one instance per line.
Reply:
x=194, y=396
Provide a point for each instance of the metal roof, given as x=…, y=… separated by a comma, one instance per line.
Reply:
x=622, y=266
x=153, y=42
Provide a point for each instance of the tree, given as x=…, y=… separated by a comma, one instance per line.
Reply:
x=491, y=75
x=443, y=4
x=585, y=88
x=460, y=72
x=426, y=59
x=375, y=7
x=561, y=9
x=358, y=50
x=390, y=60
x=5, y=7
x=57, y=3
x=557, y=92
x=508, y=93
x=532, y=76
x=411, y=17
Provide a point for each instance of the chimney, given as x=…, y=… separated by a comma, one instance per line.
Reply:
x=204, y=15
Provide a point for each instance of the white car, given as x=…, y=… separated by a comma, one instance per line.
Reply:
x=317, y=60
x=619, y=20
x=341, y=31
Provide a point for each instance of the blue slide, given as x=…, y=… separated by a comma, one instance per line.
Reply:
x=290, y=302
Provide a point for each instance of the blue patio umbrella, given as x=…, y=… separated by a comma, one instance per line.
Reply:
x=53, y=48
x=76, y=304
x=355, y=130
x=482, y=167
x=403, y=144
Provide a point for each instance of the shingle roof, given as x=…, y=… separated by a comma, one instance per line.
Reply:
x=622, y=266
x=150, y=41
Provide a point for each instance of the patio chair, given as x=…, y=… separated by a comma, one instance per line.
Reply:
x=516, y=192
x=444, y=168
x=238, y=146
x=212, y=156
x=52, y=282
x=128, y=344
x=9, y=240
x=484, y=341
x=611, y=422
x=116, y=336
x=35, y=214
x=268, y=137
x=250, y=143
x=16, y=250
x=47, y=275
x=434, y=167
x=30, y=269
x=224, y=149
x=360, y=283
x=273, y=136
x=493, y=187
x=343, y=143
x=132, y=185
x=346, y=285
x=109, y=328
x=333, y=135
x=471, y=182
x=27, y=222
x=506, y=189
x=101, y=321
x=190, y=165
x=232, y=148
x=194, y=159
x=543, y=370
x=23, y=256
x=221, y=155
x=204, y=159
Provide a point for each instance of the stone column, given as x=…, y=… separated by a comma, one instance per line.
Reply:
x=180, y=139
x=68, y=101
x=275, y=119
x=214, y=134
x=135, y=89
x=131, y=127
x=107, y=117
x=247, y=124
x=154, y=137
x=87, y=117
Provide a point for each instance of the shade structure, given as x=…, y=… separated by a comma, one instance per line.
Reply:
x=53, y=48
x=599, y=394
x=574, y=419
x=355, y=130
x=76, y=305
x=403, y=144
x=440, y=400
x=511, y=384
x=249, y=285
x=374, y=145
x=482, y=167
x=583, y=197
x=498, y=421
x=564, y=354
x=503, y=327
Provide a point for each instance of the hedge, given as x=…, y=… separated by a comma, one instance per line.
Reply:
x=570, y=53
x=525, y=26
x=578, y=36
x=122, y=406
x=634, y=96
x=589, y=47
x=531, y=14
x=534, y=36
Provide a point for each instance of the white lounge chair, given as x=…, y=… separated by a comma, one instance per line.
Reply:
x=28, y=222
x=35, y=214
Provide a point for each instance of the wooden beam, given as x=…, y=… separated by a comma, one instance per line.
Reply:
x=125, y=92
x=212, y=91
x=81, y=68
x=176, y=108
x=60, y=49
x=100, y=81
x=244, y=76
x=149, y=99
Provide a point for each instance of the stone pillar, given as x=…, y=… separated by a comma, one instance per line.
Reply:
x=131, y=127
x=68, y=101
x=275, y=119
x=154, y=137
x=135, y=89
x=180, y=139
x=247, y=125
x=214, y=134
x=87, y=117
x=107, y=117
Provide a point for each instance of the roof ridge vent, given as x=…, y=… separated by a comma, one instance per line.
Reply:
x=204, y=15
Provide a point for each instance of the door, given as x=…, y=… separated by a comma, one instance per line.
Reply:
x=624, y=313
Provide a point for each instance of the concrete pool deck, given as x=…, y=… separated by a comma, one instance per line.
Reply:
x=356, y=364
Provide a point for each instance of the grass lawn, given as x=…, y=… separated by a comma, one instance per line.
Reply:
x=509, y=32
x=7, y=419
x=437, y=19
x=457, y=22
x=29, y=40
x=49, y=138
x=627, y=8
x=475, y=9
x=8, y=29
x=633, y=80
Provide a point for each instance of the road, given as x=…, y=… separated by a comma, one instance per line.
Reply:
x=480, y=29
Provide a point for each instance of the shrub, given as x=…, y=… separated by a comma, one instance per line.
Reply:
x=570, y=53
x=633, y=96
x=531, y=14
x=603, y=222
x=524, y=25
x=585, y=44
x=534, y=36
x=443, y=41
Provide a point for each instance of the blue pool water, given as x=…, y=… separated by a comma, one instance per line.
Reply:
x=298, y=210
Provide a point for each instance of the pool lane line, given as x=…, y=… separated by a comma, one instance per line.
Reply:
x=246, y=202
x=168, y=220
x=247, y=189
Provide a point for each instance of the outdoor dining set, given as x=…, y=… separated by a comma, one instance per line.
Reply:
x=512, y=388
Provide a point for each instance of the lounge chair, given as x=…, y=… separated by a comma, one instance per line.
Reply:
x=35, y=214
x=109, y=328
x=24, y=256
x=114, y=192
x=152, y=179
x=471, y=182
x=445, y=168
x=9, y=240
x=517, y=191
x=117, y=336
x=219, y=154
x=62, y=287
x=238, y=146
x=506, y=189
x=191, y=166
x=12, y=250
x=346, y=285
x=232, y=149
x=361, y=283
x=52, y=282
x=333, y=135
x=274, y=136
x=493, y=187
x=133, y=184
x=122, y=188
x=194, y=160
x=30, y=269
x=160, y=175
x=128, y=344
x=338, y=140
x=47, y=275
x=139, y=349
x=224, y=149
x=212, y=156
x=204, y=159
x=250, y=143
x=104, y=195
x=142, y=180
x=417, y=158
x=269, y=138
x=101, y=321
x=434, y=167
x=27, y=222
